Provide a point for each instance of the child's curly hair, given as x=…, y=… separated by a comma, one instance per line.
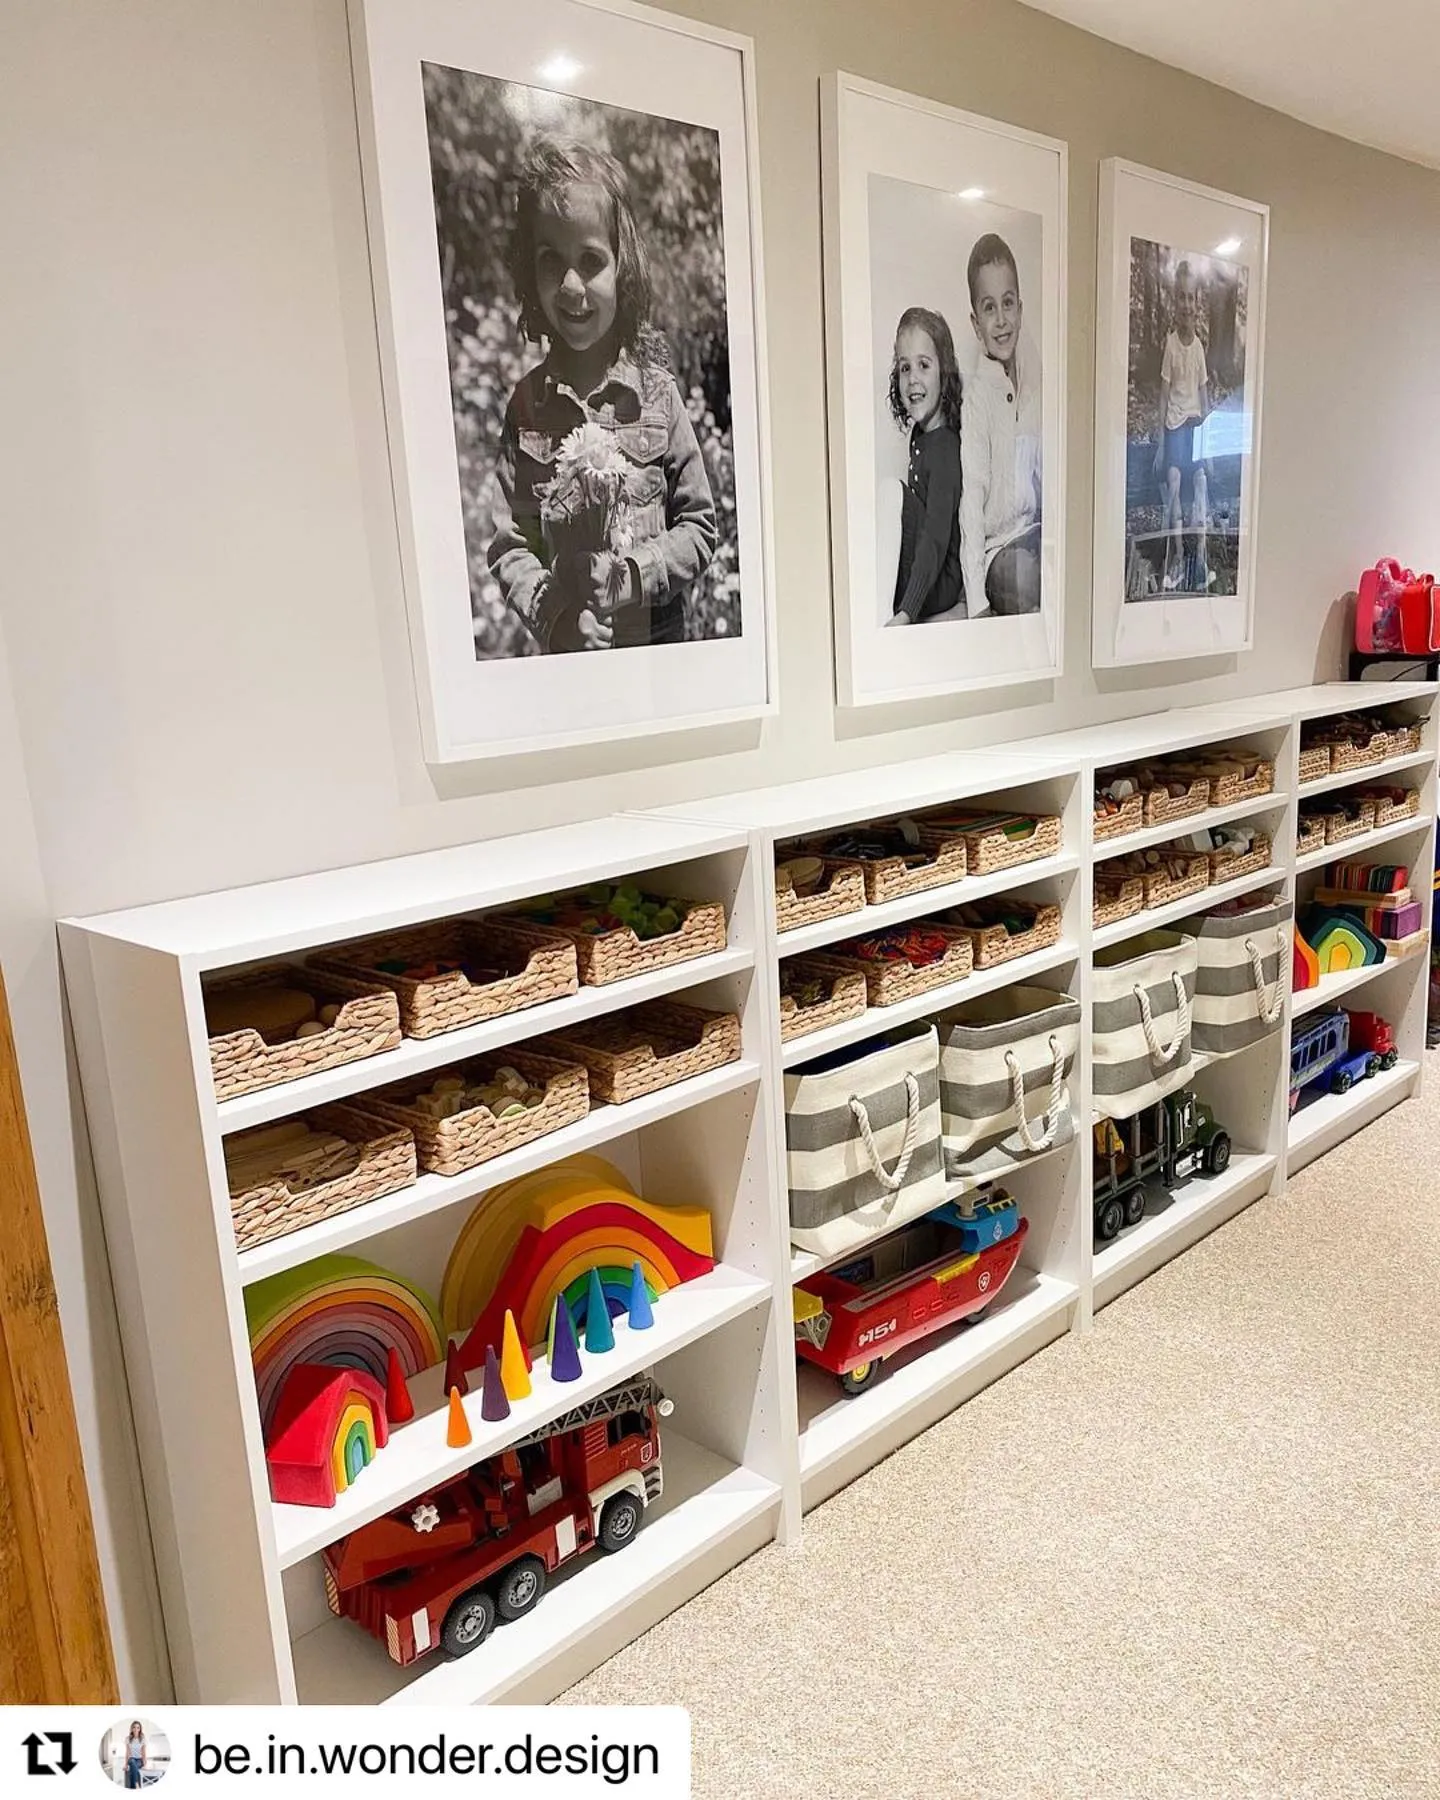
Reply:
x=551, y=165
x=933, y=324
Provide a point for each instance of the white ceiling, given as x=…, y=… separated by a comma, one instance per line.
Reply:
x=1363, y=68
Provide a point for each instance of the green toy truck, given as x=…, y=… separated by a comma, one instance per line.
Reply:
x=1175, y=1137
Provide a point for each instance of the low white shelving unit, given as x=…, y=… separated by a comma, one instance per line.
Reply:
x=752, y=1442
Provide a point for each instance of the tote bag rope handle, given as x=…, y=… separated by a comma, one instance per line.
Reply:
x=1269, y=1004
x=1053, y=1106
x=894, y=1181
x=1182, y=1020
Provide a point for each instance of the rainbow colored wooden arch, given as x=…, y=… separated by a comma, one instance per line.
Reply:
x=328, y=1425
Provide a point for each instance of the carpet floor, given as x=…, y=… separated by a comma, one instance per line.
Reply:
x=1192, y=1555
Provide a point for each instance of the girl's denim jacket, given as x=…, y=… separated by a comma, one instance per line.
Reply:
x=673, y=510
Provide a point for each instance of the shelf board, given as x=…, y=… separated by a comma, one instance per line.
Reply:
x=1331, y=987
x=1325, y=1122
x=805, y=1263
x=1394, y=765
x=418, y=1457
x=880, y=1018
x=707, y=1501
x=913, y=906
x=831, y=1425
x=433, y=1193
x=1357, y=846
x=1154, y=916
x=1215, y=815
x=1202, y=1197
x=417, y=1056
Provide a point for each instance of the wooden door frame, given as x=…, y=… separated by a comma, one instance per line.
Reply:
x=54, y=1634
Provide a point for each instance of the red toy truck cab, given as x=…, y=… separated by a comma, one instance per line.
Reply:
x=437, y=1570
x=1368, y=1031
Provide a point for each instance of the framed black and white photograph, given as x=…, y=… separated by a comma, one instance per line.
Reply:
x=945, y=350
x=568, y=287
x=1180, y=325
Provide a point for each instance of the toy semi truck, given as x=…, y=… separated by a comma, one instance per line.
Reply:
x=1177, y=1136
x=438, y=1570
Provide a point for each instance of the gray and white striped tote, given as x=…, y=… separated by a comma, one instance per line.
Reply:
x=1244, y=963
x=862, y=1139
x=1142, y=994
x=1004, y=1062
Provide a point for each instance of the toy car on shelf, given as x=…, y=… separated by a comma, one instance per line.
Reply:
x=438, y=1570
x=1175, y=1137
x=935, y=1272
x=1326, y=1050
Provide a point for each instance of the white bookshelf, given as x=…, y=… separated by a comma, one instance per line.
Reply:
x=753, y=1441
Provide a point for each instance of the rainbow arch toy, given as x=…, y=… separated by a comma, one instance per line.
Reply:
x=342, y=1312
x=540, y=1236
x=327, y=1427
x=1340, y=941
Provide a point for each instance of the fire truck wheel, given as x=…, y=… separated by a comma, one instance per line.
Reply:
x=468, y=1622
x=619, y=1521
x=860, y=1377
x=520, y=1587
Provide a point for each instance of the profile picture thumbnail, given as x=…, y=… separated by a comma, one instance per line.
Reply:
x=135, y=1753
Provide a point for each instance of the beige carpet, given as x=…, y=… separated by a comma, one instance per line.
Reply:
x=1195, y=1555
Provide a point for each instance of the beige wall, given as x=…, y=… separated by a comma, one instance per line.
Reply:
x=201, y=595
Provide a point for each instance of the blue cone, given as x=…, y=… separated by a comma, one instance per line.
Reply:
x=564, y=1351
x=641, y=1317
x=599, y=1333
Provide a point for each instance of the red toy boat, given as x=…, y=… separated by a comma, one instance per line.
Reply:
x=850, y=1319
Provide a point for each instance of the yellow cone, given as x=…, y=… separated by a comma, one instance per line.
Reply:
x=457, y=1434
x=514, y=1372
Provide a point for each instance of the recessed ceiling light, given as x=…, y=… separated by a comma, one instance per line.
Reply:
x=560, y=69
x=1228, y=247
x=971, y=194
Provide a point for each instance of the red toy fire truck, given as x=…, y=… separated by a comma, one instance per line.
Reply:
x=437, y=1570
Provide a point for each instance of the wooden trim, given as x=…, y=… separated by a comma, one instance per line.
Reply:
x=54, y=1635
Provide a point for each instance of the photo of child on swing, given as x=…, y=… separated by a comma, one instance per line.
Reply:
x=1188, y=423
x=583, y=272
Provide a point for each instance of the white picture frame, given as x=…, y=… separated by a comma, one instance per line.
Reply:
x=588, y=58
x=889, y=160
x=1174, y=573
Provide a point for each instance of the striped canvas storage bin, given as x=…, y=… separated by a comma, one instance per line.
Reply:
x=1243, y=959
x=1140, y=1026
x=862, y=1139
x=1005, y=1062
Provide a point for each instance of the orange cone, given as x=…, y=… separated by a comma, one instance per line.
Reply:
x=458, y=1433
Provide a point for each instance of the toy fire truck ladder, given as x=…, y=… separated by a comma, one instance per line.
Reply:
x=634, y=1396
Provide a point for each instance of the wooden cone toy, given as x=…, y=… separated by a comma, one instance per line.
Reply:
x=399, y=1407
x=457, y=1432
x=455, y=1376
x=493, y=1403
x=641, y=1317
x=564, y=1350
x=514, y=1364
x=599, y=1333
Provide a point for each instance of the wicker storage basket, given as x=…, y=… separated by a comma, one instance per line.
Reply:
x=384, y=1163
x=1128, y=816
x=448, y=1146
x=1374, y=750
x=1341, y=825
x=1392, y=805
x=1162, y=808
x=1117, y=897
x=1161, y=887
x=1230, y=865
x=1225, y=770
x=1405, y=740
x=843, y=998
x=892, y=877
x=988, y=848
x=646, y=1047
x=529, y=967
x=886, y=983
x=841, y=891
x=1309, y=833
x=992, y=942
x=616, y=955
x=1314, y=762
x=368, y=1022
